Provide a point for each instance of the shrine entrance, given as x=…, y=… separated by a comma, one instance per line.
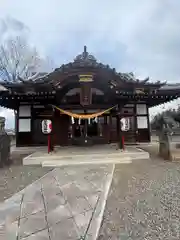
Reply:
x=92, y=129
x=85, y=128
x=79, y=128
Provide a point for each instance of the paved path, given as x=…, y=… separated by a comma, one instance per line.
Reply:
x=67, y=203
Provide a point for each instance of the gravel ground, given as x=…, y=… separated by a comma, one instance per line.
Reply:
x=16, y=177
x=143, y=202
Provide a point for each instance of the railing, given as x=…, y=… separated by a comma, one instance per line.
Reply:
x=4, y=148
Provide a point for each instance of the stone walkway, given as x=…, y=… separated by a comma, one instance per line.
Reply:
x=67, y=203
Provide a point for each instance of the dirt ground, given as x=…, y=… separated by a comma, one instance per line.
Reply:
x=16, y=177
x=144, y=201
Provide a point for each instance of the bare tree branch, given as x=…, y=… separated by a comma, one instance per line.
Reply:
x=19, y=60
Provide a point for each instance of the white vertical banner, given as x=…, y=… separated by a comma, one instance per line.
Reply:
x=125, y=124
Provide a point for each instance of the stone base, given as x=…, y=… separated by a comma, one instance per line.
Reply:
x=175, y=155
x=91, y=155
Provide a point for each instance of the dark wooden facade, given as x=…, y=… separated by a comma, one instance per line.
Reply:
x=84, y=86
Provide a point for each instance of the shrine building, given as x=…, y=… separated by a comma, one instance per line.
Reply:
x=88, y=103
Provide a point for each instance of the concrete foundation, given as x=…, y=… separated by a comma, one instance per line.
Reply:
x=63, y=156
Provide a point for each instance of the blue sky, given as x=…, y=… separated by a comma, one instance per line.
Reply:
x=134, y=36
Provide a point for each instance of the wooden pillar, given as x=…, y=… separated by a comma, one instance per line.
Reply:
x=119, y=131
x=72, y=128
x=17, y=125
x=51, y=134
x=135, y=122
x=85, y=125
x=118, y=127
x=86, y=128
x=110, y=127
x=149, y=124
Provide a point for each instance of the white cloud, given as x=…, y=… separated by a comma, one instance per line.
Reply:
x=148, y=30
x=9, y=115
x=141, y=36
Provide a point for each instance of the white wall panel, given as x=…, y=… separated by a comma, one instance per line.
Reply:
x=141, y=109
x=25, y=111
x=25, y=125
x=142, y=122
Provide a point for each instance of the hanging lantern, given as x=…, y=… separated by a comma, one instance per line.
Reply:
x=79, y=121
x=89, y=121
x=72, y=120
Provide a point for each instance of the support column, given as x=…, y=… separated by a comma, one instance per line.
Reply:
x=85, y=125
x=118, y=127
x=135, y=123
x=71, y=128
x=51, y=134
x=86, y=128
x=149, y=124
x=119, y=131
x=110, y=127
x=16, y=125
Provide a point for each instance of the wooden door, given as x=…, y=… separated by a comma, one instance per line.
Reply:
x=60, y=129
x=113, y=129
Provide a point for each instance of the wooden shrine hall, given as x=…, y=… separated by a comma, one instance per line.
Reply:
x=86, y=102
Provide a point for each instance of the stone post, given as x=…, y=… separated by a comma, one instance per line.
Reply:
x=165, y=147
x=4, y=144
x=2, y=124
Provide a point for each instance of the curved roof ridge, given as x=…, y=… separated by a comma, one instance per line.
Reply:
x=170, y=86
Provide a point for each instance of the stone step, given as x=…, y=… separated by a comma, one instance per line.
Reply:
x=91, y=155
x=176, y=157
x=59, y=163
x=81, y=159
x=84, y=157
x=76, y=159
